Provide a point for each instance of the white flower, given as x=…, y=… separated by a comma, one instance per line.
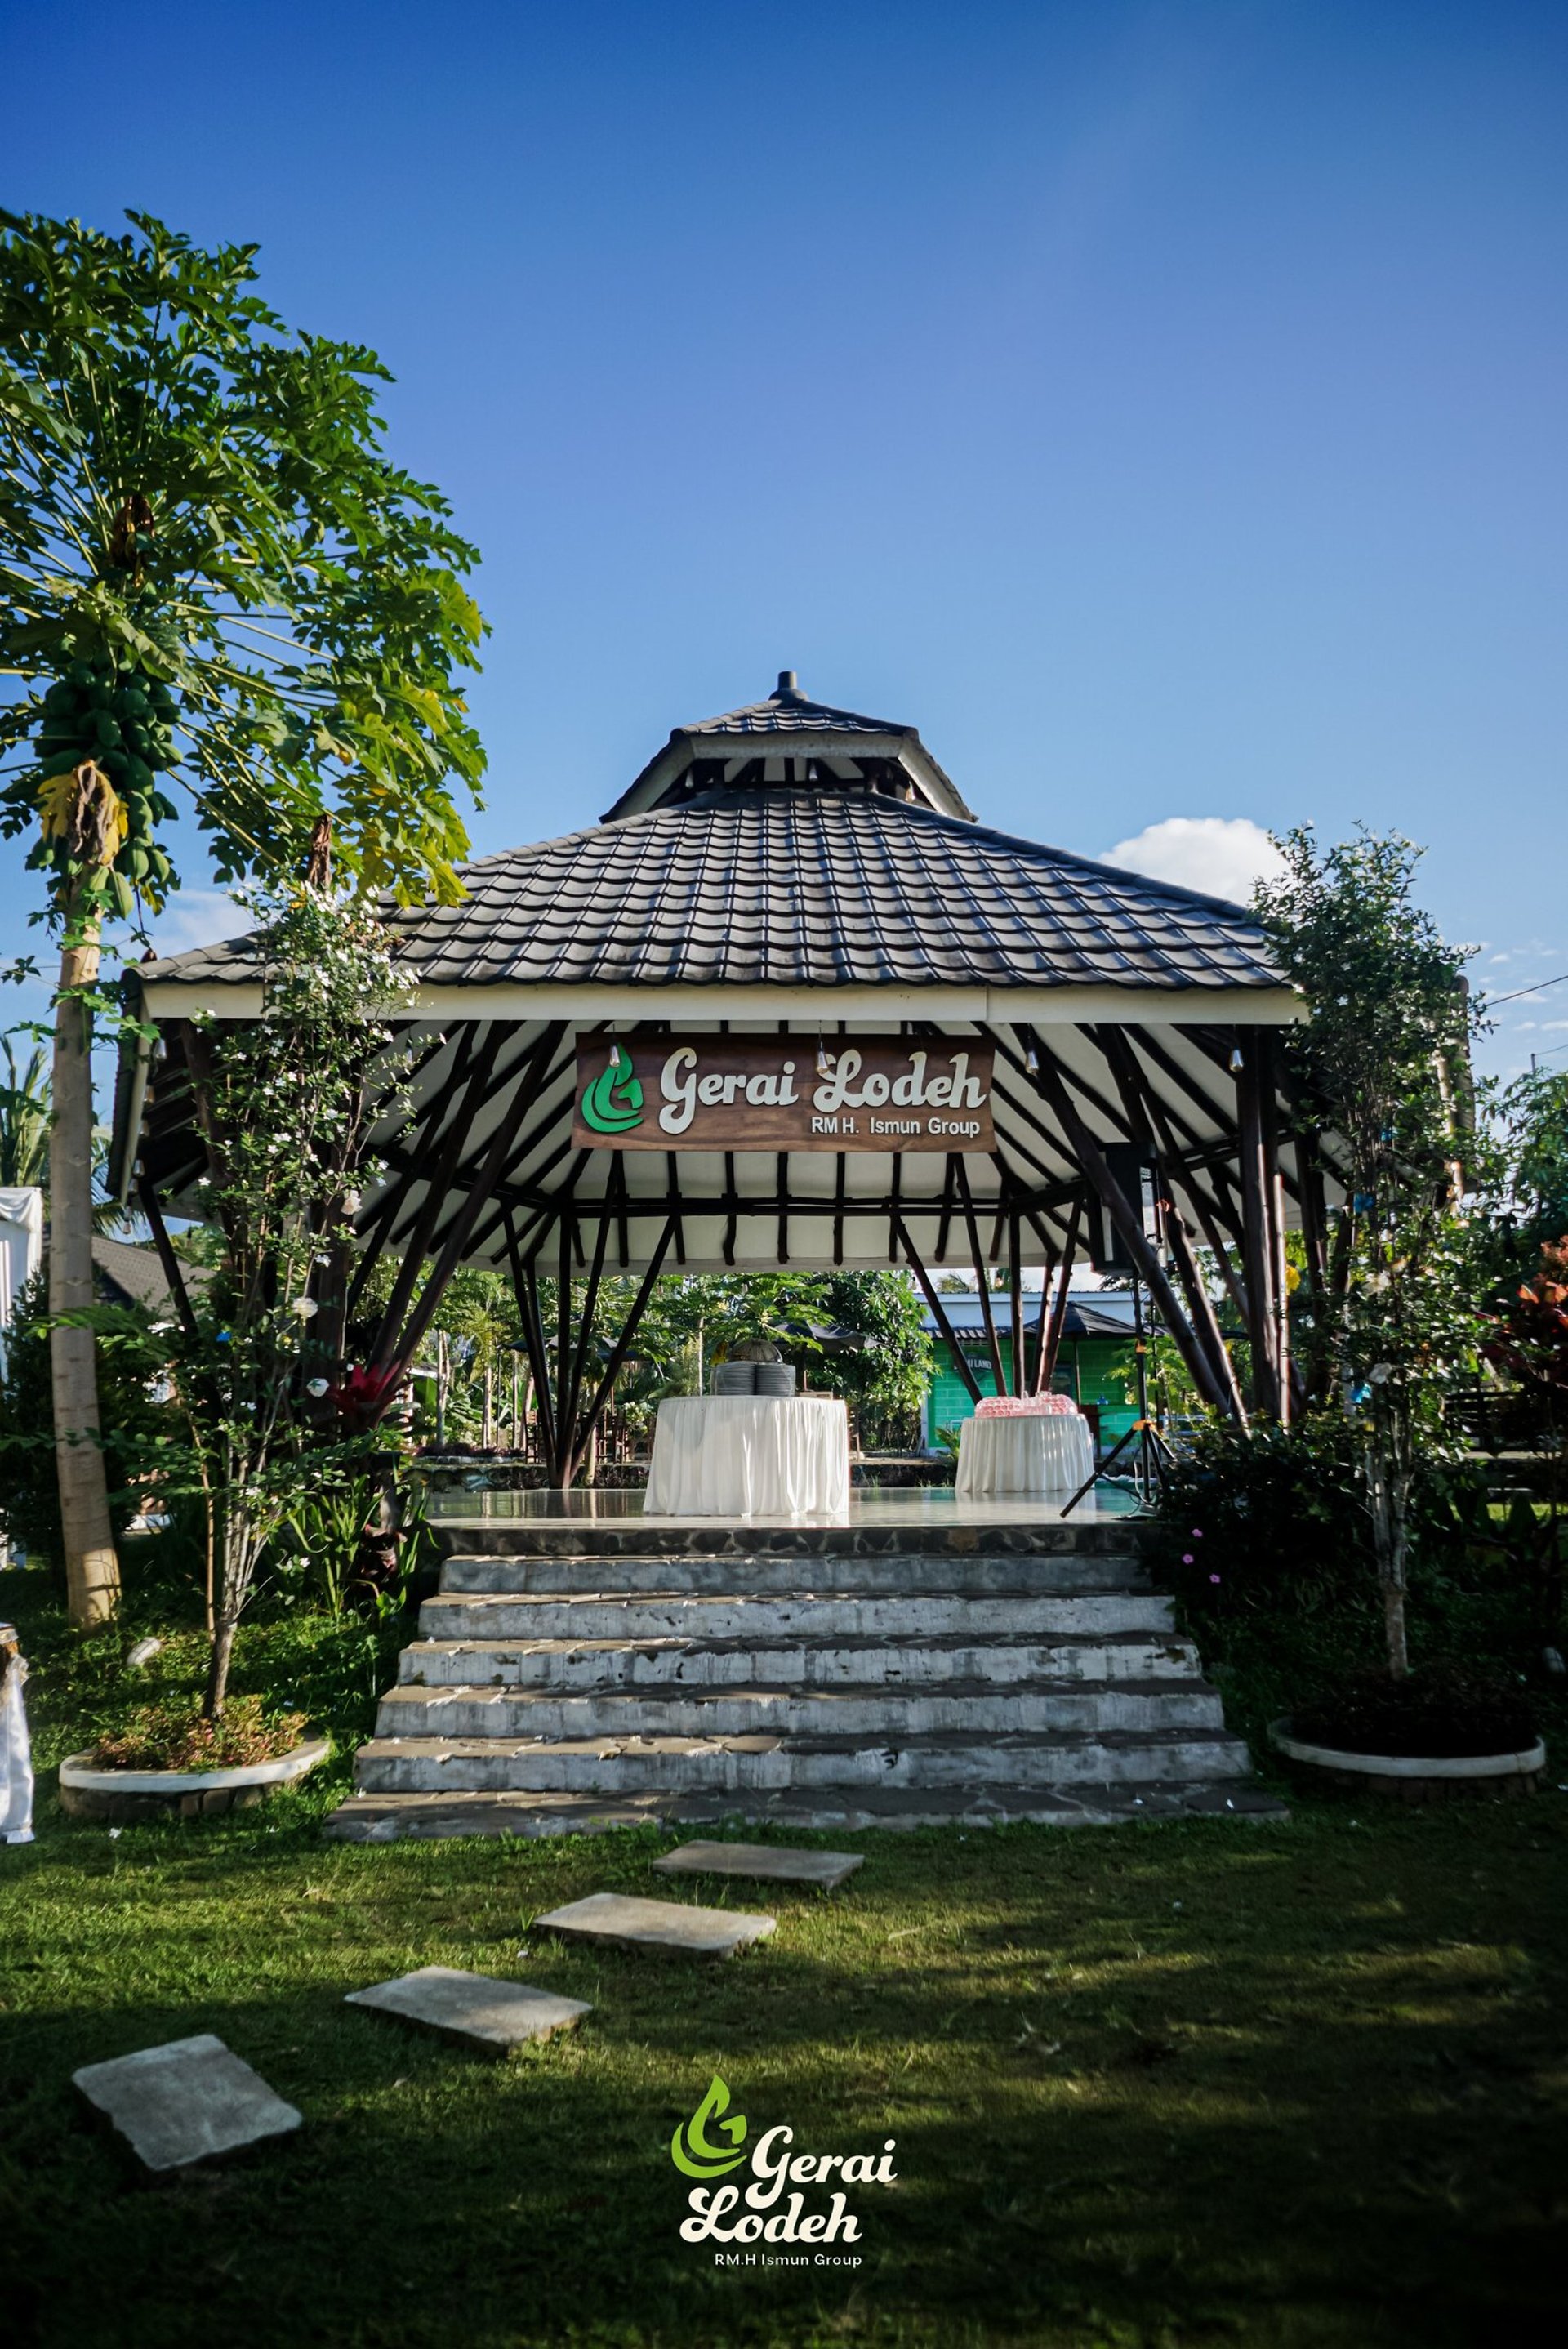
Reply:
x=305, y=1307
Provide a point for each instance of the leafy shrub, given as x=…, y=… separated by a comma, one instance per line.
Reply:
x=1256, y=1523
x=176, y=1737
x=131, y=1422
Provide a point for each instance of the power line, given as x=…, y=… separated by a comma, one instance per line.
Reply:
x=1540, y=987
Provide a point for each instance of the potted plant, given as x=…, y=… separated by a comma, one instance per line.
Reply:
x=1389, y=1320
x=270, y=1416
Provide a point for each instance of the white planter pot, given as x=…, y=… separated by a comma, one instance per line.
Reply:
x=1414, y=1778
x=88, y=1792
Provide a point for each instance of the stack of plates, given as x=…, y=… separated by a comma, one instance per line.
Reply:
x=775, y=1379
x=735, y=1378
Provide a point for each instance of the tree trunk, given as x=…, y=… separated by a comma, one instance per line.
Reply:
x=1388, y=1493
x=92, y=1569
x=218, y=1662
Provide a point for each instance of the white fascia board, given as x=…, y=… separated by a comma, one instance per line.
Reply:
x=1252, y=1007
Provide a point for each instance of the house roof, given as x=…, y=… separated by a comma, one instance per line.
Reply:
x=806, y=885
x=760, y=745
x=1091, y=1313
x=779, y=866
x=134, y=1274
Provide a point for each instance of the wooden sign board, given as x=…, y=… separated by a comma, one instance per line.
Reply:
x=766, y=1092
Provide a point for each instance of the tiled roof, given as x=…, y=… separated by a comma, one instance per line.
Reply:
x=807, y=885
x=136, y=1274
x=790, y=712
x=768, y=731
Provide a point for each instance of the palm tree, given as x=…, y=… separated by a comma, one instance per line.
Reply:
x=23, y=1117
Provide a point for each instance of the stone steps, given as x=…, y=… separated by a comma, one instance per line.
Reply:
x=741, y=1765
x=896, y=1573
x=778, y=1614
x=598, y=1540
x=387, y=1818
x=872, y=1710
x=675, y=1664
x=571, y=1676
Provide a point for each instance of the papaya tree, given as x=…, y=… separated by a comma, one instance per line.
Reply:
x=217, y=596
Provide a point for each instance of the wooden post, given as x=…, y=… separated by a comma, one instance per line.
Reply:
x=1015, y=1287
x=1257, y=1222
x=1051, y=1343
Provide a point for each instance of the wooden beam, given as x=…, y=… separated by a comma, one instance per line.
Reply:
x=1128, y=1223
x=619, y=1350
x=960, y=1360
x=1051, y=1342
x=173, y=1272
x=525, y=1290
x=401, y=1350
x=986, y=1315
x=438, y=1180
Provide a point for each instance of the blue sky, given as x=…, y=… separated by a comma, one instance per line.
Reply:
x=1162, y=405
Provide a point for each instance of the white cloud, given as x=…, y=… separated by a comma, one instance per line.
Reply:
x=1222, y=855
x=198, y=917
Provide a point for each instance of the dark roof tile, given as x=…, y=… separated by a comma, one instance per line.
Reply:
x=802, y=886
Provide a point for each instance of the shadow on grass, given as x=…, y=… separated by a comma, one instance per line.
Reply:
x=1166, y=2085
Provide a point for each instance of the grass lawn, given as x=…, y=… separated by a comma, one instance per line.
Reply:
x=1182, y=2085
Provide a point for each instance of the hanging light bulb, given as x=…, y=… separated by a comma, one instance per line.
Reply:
x=824, y=1065
x=1032, y=1061
x=614, y=1056
x=1237, y=1063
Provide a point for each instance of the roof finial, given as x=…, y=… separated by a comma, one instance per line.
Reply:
x=787, y=682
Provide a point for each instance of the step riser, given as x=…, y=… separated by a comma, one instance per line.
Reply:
x=783, y=1771
x=901, y=1620
x=876, y=1714
x=1086, y=1806
x=633, y=1538
x=677, y=1666
x=898, y=1576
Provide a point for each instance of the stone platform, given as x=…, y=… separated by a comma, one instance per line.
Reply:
x=921, y=1663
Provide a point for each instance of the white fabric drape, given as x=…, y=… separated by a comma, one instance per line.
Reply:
x=1036, y=1455
x=21, y=1247
x=15, y=1753
x=749, y=1456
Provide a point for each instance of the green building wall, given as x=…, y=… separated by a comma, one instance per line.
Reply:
x=1091, y=1369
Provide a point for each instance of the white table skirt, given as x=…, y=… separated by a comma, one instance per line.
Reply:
x=1040, y=1452
x=749, y=1456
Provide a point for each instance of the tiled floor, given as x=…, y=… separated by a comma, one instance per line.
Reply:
x=889, y=1507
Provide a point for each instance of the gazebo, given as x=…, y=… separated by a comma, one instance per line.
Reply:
x=622, y=1040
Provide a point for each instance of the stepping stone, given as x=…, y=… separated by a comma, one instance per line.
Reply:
x=493, y=2016
x=778, y=1863
x=658, y=1925
x=187, y=2101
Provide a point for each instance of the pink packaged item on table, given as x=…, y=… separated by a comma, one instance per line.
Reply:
x=1036, y=1406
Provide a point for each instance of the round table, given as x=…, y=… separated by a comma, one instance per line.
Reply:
x=749, y=1456
x=1039, y=1452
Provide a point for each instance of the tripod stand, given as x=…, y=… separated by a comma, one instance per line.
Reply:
x=1151, y=1457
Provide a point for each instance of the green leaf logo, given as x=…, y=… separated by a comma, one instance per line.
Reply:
x=695, y=2152
x=612, y=1100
